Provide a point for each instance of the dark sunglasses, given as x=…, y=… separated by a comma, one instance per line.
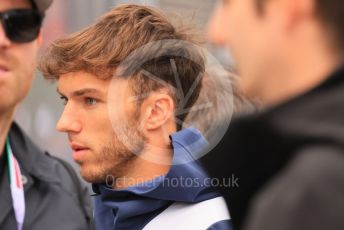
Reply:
x=21, y=25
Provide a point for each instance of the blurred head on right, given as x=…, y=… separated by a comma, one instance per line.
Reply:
x=281, y=48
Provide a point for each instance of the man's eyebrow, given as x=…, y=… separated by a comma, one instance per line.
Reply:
x=81, y=92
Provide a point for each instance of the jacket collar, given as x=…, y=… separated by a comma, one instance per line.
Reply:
x=33, y=165
x=316, y=114
x=188, y=144
x=139, y=203
x=32, y=160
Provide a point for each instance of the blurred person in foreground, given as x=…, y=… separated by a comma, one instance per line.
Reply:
x=128, y=82
x=289, y=158
x=36, y=191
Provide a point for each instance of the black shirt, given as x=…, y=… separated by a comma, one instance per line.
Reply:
x=258, y=147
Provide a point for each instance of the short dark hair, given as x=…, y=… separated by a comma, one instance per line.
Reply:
x=330, y=13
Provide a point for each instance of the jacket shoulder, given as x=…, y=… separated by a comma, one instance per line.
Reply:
x=187, y=216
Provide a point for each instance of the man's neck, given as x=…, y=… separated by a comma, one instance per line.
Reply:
x=303, y=80
x=152, y=163
x=6, y=119
x=309, y=63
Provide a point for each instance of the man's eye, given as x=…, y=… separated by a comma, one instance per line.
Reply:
x=90, y=101
x=64, y=99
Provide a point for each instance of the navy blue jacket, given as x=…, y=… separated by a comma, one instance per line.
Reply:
x=185, y=184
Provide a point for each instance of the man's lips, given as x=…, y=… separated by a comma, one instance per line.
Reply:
x=3, y=69
x=78, y=151
x=77, y=147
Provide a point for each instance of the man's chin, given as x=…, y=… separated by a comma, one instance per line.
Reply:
x=92, y=176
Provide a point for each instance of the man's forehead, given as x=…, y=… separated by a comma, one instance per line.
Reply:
x=76, y=80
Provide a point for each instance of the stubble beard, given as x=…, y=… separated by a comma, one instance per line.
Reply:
x=115, y=157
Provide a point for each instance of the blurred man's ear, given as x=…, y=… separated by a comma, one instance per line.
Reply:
x=295, y=12
x=157, y=110
x=40, y=39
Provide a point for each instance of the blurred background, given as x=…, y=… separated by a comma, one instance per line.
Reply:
x=40, y=111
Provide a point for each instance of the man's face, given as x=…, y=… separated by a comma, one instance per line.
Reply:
x=251, y=39
x=97, y=147
x=17, y=62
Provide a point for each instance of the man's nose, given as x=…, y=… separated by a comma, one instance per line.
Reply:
x=68, y=122
x=215, y=28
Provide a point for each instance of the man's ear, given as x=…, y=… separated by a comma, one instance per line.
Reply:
x=158, y=109
x=40, y=39
x=296, y=11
